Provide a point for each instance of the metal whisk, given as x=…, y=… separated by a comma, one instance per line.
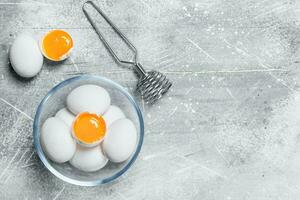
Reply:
x=151, y=85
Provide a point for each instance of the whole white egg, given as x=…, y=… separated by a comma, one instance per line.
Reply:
x=120, y=140
x=88, y=98
x=113, y=114
x=88, y=159
x=66, y=116
x=25, y=56
x=56, y=140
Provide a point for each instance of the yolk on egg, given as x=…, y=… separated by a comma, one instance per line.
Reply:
x=89, y=128
x=56, y=44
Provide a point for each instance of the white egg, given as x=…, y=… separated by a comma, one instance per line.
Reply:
x=88, y=159
x=113, y=114
x=120, y=140
x=88, y=98
x=66, y=116
x=25, y=56
x=56, y=140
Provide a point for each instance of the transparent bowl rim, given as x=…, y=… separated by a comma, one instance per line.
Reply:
x=36, y=131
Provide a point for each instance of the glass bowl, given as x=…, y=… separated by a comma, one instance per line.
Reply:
x=55, y=100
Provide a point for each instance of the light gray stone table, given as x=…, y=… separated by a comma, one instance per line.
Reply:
x=230, y=127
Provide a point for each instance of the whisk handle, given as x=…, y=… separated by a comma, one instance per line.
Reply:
x=116, y=30
x=139, y=68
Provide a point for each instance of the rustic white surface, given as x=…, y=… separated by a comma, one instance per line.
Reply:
x=229, y=129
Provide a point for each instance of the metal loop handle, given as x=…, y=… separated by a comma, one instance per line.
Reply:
x=115, y=28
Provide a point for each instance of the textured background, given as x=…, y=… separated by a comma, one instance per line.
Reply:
x=230, y=127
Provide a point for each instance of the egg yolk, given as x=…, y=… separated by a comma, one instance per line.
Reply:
x=56, y=44
x=89, y=128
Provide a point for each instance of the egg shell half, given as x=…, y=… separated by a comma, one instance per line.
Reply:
x=88, y=98
x=56, y=140
x=66, y=116
x=25, y=56
x=113, y=114
x=120, y=140
x=65, y=56
x=88, y=159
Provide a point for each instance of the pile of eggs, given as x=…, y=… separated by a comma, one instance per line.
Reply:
x=26, y=55
x=89, y=132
